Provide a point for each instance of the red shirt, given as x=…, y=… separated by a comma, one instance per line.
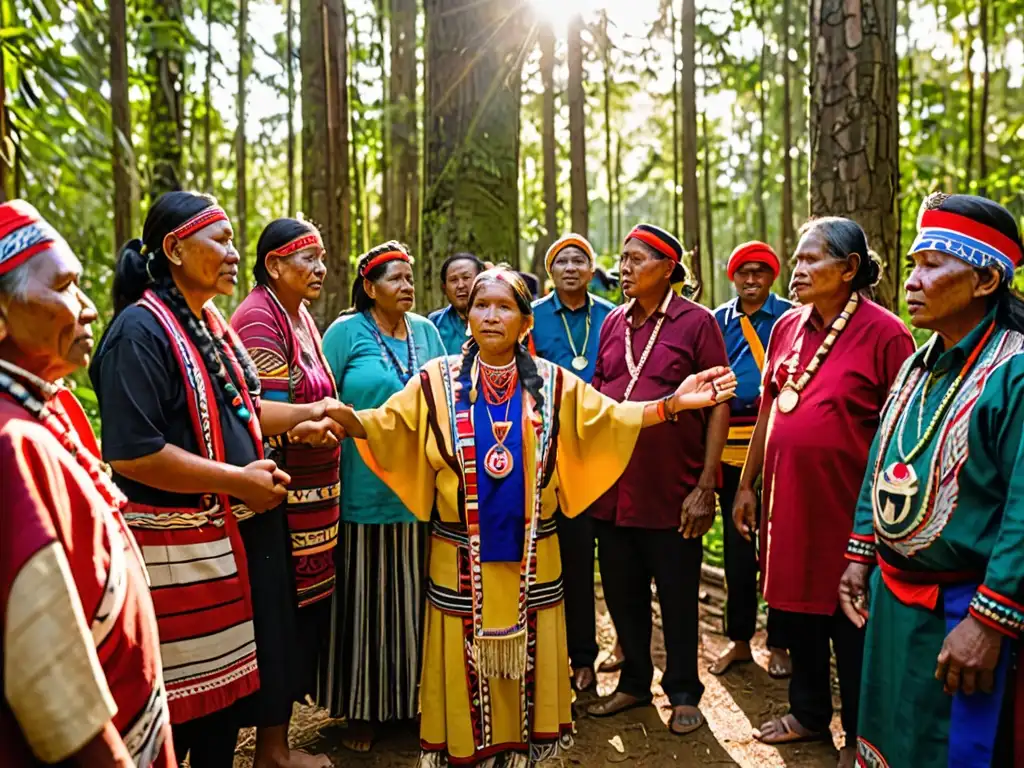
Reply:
x=668, y=458
x=816, y=455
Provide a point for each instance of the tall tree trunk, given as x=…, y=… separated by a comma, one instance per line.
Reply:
x=969, y=74
x=325, y=143
x=359, y=125
x=676, y=155
x=547, y=133
x=208, y=101
x=983, y=113
x=474, y=79
x=853, y=123
x=618, y=196
x=384, y=161
x=290, y=69
x=762, y=144
x=121, y=122
x=709, y=221
x=577, y=131
x=165, y=69
x=404, y=133
x=606, y=60
x=241, y=183
x=788, y=236
x=691, y=195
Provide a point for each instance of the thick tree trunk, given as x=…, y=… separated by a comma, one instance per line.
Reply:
x=360, y=224
x=208, y=101
x=548, y=150
x=165, y=69
x=290, y=69
x=325, y=142
x=403, y=195
x=788, y=237
x=983, y=9
x=473, y=86
x=691, y=195
x=123, y=158
x=676, y=156
x=241, y=183
x=853, y=123
x=577, y=131
x=384, y=163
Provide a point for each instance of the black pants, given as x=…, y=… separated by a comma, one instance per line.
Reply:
x=812, y=639
x=209, y=741
x=630, y=558
x=576, y=547
x=741, y=572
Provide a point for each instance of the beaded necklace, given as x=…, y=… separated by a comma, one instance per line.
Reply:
x=499, y=385
x=635, y=369
x=579, y=357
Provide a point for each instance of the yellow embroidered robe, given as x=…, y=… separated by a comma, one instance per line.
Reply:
x=409, y=446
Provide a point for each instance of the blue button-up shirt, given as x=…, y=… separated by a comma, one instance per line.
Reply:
x=748, y=388
x=549, y=336
x=451, y=327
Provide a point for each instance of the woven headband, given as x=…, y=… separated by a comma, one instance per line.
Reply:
x=971, y=241
x=568, y=241
x=203, y=219
x=303, y=241
x=655, y=242
x=384, y=258
x=21, y=244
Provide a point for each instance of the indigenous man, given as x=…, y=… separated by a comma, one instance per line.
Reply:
x=941, y=511
x=746, y=324
x=457, y=275
x=567, y=323
x=650, y=524
x=81, y=660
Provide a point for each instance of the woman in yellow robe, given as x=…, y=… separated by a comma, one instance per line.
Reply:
x=495, y=684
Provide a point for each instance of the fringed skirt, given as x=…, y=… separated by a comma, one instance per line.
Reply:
x=373, y=666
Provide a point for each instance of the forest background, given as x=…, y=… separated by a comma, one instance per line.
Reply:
x=494, y=126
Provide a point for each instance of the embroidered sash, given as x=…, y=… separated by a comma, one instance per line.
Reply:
x=741, y=428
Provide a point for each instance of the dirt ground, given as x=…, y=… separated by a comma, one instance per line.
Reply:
x=733, y=705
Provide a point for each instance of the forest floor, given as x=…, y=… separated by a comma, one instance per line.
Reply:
x=733, y=705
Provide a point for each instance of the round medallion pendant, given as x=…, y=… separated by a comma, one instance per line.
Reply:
x=498, y=462
x=788, y=400
x=579, y=362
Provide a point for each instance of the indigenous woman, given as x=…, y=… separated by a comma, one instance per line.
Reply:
x=373, y=350
x=489, y=446
x=827, y=372
x=281, y=338
x=182, y=430
x=941, y=510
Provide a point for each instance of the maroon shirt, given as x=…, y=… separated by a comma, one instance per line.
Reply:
x=816, y=455
x=668, y=458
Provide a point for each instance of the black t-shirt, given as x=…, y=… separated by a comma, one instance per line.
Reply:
x=142, y=404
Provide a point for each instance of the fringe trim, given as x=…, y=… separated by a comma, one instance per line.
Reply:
x=503, y=657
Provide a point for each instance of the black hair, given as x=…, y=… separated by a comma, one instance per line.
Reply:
x=143, y=264
x=843, y=238
x=361, y=301
x=461, y=256
x=277, y=233
x=1009, y=306
x=527, y=367
x=680, y=272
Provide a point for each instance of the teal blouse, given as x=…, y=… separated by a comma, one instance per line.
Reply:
x=366, y=378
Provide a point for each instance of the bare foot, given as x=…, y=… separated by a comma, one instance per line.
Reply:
x=780, y=666
x=300, y=759
x=685, y=720
x=847, y=757
x=584, y=679
x=735, y=653
x=272, y=751
x=359, y=736
x=784, y=730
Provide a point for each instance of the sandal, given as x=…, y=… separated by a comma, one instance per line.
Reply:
x=616, y=704
x=684, y=722
x=613, y=663
x=780, y=670
x=785, y=732
x=729, y=658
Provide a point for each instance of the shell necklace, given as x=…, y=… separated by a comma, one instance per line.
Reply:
x=634, y=368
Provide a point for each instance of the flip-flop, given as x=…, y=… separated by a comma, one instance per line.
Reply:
x=686, y=729
x=790, y=736
x=619, y=710
x=777, y=672
x=732, y=662
x=611, y=664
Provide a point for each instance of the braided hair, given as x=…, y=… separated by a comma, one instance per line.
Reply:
x=525, y=364
x=361, y=301
x=142, y=263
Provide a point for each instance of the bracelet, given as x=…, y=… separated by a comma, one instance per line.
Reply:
x=669, y=416
x=661, y=411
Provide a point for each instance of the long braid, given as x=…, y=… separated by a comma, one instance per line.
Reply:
x=471, y=350
x=529, y=375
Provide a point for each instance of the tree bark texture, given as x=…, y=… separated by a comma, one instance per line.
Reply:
x=403, y=189
x=788, y=237
x=474, y=51
x=709, y=220
x=853, y=123
x=676, y=201
x=606, y=60
x=762, y=97
x=241, y=183
x=691, y=194
x=208, y=100
x=325, y=143
x=577, y=131
x=290, y=70
x=548, y=150
x=165, y=71
x=123, y=158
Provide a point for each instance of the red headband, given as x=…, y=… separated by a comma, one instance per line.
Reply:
x=384, y=258
x=655, y=242
x=203, y=219
x=939, y=219
x=755, y=251
x=303, y=241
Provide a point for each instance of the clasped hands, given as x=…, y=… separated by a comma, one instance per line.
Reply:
x=322, y=431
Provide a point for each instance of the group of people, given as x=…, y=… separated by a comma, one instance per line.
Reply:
x=400, y=520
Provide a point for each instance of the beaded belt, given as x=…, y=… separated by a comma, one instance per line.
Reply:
x=457, y=534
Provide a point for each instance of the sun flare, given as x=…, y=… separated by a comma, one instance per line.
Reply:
x=558, y=13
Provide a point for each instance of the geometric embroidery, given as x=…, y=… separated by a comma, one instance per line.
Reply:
x=998, y=612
